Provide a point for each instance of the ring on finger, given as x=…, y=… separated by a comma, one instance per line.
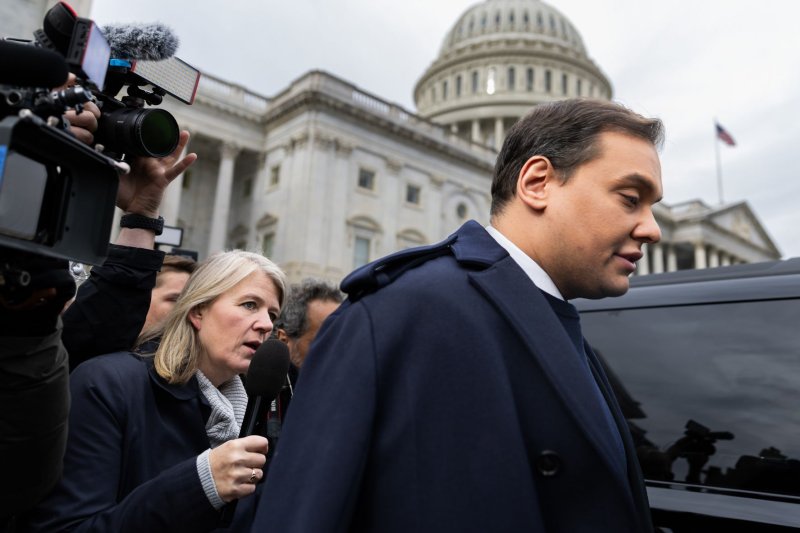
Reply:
x=253, y=476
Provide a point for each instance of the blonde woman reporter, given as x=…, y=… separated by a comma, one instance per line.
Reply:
x=152, y=440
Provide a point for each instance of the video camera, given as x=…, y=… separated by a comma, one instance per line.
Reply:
x=57, y=194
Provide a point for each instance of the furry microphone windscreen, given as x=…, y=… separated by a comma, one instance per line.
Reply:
x=152, y=42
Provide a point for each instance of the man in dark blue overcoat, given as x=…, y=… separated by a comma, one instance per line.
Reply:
x=453, y=390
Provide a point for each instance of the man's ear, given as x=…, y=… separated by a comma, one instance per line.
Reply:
x=282, y=336
x=535, y=181
x=196, y=317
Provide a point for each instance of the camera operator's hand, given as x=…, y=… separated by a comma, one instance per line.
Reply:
x=142, y=189
x=84, y=125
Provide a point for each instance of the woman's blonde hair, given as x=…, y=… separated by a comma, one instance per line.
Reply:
x=179, y=350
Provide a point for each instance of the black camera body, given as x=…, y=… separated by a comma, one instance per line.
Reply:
x=57, y=194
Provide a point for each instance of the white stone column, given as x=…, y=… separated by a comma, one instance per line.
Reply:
x=672, y=259
x=725, y=259
x=476, y=131
x=658, y=258
x=713, y=257
x=700, y=255
x=222, y=198
x=499, y=133
x=643, y=266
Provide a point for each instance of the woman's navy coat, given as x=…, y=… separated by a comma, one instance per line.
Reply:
x=131, y=451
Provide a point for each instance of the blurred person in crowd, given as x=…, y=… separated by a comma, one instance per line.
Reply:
x=453, y=389
x=175, y=272
x=308, y=305
x=153, y=441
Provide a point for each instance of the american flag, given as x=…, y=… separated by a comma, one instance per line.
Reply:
x=724, y=136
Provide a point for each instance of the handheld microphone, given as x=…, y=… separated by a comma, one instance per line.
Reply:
x=25, y=65
x=264, y=381
x=150, y=42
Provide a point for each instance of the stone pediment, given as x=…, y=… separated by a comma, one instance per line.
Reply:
x=740, y=220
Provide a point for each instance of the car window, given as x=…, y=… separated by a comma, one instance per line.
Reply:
x=712, y=392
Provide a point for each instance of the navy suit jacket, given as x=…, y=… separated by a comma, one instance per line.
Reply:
x=131, y=451
x=445, y=395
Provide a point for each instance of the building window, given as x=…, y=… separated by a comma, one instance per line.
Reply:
x=413, y=194
x=444, y=90
x=497, y=20
x=552, y=24
x=461, y=211
x=511, y=18
x=490, y=81
x=274, y=175
x=475, y=82
x=578, y=87
x=458, y=85
x=267, y=244
x=539, y=20
x=186, y=184
x=564, y=81
x=247, y=188
x=360, y=252
x=548, y=81
x=529, y=80
x=366, y=179
x=433, y=94
x=526, y=20
x=512, y=81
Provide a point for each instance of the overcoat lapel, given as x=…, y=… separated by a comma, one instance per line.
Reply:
x=518, y=300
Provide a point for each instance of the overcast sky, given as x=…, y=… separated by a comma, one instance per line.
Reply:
x=685, y=61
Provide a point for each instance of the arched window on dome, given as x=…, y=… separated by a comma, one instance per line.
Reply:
x=483, y=22
x=552, y=24
x=529, y=80
x=564, y=84
x=497, y=19
x=539, y=21
x=471, y=24
x=511, y=19
x=433, y=95
x=578, y=87
x=490, y=80
x=444, y=90
x=526, y=20
x=474, y=81
x=512, y=78
x=563, y=29
x=548, y=81
x=458, y=85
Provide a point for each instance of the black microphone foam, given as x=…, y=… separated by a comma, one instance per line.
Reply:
x=265, y=379
x=25, y=65
x=152, y=42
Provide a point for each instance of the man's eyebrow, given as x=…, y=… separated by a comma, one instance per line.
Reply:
x=637, y=180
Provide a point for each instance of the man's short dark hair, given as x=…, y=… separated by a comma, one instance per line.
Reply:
x=293, y=318
x=566, y=133
x=178, y=263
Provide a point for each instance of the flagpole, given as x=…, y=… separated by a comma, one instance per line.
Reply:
x=719, y=165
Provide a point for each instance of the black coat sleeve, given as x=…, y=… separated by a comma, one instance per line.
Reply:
x=111, y=306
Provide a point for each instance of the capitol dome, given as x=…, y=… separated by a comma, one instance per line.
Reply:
x=501, y=58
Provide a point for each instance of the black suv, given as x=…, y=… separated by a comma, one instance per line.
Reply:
x=706, y=366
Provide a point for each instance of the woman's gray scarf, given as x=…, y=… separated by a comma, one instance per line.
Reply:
x=228, y=404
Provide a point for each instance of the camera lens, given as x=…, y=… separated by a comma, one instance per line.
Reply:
x=147, y=132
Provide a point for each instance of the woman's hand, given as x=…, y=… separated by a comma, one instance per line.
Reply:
x=236, y=466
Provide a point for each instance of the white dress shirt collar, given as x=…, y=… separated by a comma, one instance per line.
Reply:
x=538, y=276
